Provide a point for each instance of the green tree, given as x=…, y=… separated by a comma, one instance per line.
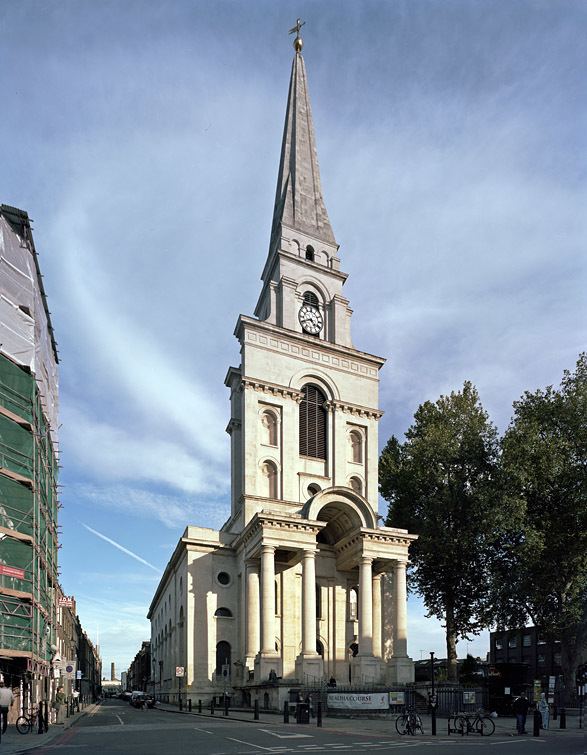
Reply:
x=442, y=484
x=543, y=573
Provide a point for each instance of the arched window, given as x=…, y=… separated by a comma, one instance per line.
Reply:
x=223, y=612
x=320, y=648
x=356, y=485
x=269, y=473
x=353, y=604
x=356, y=446
x=310, y=253
x=312, y=423
x=223, y=659
x=311, y=299
x=313, y=489
x=269, y=423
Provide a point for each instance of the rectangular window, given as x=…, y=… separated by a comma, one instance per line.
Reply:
x=499, y=644
x=527, y=641
x=513, y=642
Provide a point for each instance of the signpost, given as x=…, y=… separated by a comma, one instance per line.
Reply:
x=179, y=673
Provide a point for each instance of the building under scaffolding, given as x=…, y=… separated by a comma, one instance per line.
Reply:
x=28, y=465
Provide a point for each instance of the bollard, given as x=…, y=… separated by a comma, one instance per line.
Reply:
x=199, y=706
x=190, y=704
x=537, y=723
x=319, y=714
x=256, y=713
x=563, y=718
x=286, y=712
x=226, y=705
x=212, y=707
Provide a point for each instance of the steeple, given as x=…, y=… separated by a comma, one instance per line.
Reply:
x=299, y=204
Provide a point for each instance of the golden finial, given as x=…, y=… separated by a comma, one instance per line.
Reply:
x=298, y=42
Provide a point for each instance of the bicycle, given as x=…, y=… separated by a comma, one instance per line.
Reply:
x=27, y=722
x=409, y=722
x=466, y=723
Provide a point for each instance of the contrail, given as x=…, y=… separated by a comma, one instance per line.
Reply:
x=120, y=547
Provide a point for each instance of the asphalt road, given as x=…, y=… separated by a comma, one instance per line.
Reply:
x=115, y=728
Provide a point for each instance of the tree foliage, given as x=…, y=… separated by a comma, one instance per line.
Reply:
x=442, y=483
x=543, y=573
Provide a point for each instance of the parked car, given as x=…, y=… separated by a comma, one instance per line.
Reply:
x=138, y=699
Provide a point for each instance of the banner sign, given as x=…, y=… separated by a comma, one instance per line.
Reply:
x=11, y=571
x=397, y=698
x=67, y=601
x=359, y=700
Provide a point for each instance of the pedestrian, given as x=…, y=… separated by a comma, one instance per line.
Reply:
x=59, y=705
x=544, y=710
x=75, y=695
x=6, y=701
x=520, y=707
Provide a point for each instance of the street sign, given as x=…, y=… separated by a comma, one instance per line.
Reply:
x=179, y=671
x=78, y=674
x=69, y=669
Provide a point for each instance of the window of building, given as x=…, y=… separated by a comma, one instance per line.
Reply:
x=223, y=659
x=556, y=659
x=269, y=474
x=318, y=601
x=269, y=424
x=541, y=659
x=223, y=612
x=312, y=423
x=513, y=642
x=498, y=644
x=224, y=578
x=356, y=446
x=353, y=604
x=313, y=489
x=541, y=641
x=356, y=485
x=311, y=299
x=310, y=253
x=527, y=640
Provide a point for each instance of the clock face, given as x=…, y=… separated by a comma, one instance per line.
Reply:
x=310, y=319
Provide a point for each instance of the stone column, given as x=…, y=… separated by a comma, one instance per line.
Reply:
x=252, y=612
x=365, y=607
x=400, y=624
x=309, y=603
x=268, y=600
x=377, y=651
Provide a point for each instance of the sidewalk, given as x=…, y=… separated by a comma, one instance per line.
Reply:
x=505, y=727
x=13, y=742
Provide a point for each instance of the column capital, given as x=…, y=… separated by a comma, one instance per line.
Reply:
x=268, y=549
x=309, y=553
x=366, y=560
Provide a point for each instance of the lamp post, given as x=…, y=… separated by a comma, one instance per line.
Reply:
x=433, y=695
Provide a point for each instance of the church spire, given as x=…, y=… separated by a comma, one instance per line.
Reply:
x=299, y=204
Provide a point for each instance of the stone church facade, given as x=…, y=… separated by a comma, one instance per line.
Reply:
x=300, y=585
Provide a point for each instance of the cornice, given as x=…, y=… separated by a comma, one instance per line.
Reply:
x=272, y=389
x=355, y=409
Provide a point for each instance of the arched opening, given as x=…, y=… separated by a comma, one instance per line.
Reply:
x=356, y=447
x=353, y=604
x=312, y=422
x=223, y=612
x=269, y=476
x=356, y=485
x=310, y=253
x=223, y=659
x=269, y=424
x=341, y=520
x=318, y=601
x=313, y=489
x=320, y=648
x=311, y=299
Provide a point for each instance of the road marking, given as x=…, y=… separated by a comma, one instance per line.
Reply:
x=250, y=744
x=204, y=730
x=286, y=736
x=120, y=720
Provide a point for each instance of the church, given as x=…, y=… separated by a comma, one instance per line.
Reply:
x=300, y=586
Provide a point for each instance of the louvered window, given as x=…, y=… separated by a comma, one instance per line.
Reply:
x=313, y=423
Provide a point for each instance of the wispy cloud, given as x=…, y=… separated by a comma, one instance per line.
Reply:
x=120, y=547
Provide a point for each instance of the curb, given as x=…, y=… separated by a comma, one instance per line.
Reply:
x=40, y=740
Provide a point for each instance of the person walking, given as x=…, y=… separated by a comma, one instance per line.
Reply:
x=59, y=705
x=6, y=701
x=520, y=707
x=544, y=710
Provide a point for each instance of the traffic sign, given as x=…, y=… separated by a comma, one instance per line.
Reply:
x=179, y=671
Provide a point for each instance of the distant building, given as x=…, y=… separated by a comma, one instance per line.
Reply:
x=139, y=671
x=541, y=658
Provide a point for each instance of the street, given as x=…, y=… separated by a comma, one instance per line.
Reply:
x=115, y=727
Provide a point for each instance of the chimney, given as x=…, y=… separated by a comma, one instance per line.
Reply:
x=112, y=672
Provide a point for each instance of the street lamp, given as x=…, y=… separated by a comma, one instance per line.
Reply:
x=433, y=695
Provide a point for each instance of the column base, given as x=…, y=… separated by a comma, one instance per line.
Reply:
x=366, y=669
x=309, y=668
x=265, y=664
x=400, y=670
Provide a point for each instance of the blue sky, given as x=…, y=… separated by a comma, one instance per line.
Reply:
x=144, y=137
